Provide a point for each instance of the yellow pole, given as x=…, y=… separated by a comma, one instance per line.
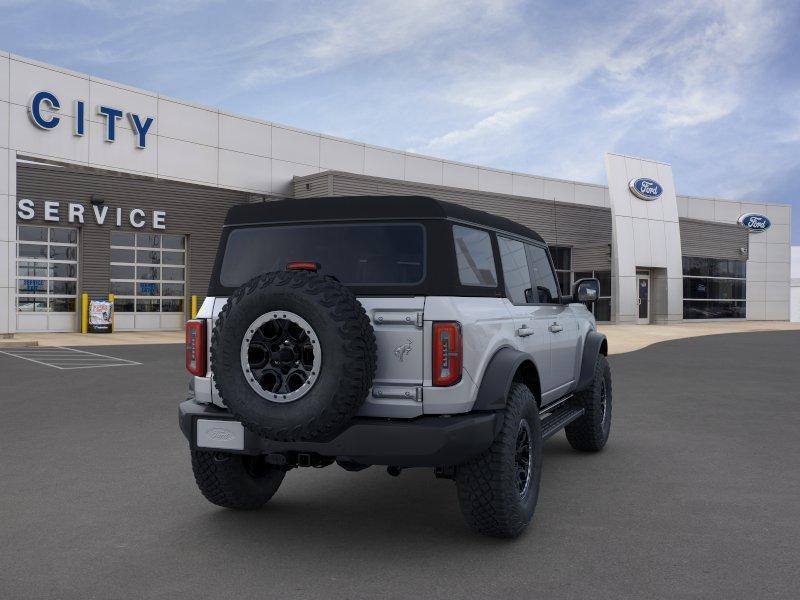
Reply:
x=84, y=313
x=194, y=307
x=113, y=312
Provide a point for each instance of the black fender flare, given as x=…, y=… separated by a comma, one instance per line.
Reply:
x=498, y=377
x=594, y=344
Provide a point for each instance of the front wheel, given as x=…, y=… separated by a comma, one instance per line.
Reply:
x=590, y=432
x=235, y=481
x=498, y=490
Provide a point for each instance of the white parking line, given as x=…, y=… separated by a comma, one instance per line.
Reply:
x=67, y=359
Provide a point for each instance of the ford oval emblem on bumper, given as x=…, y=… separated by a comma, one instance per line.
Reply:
x=646, y=189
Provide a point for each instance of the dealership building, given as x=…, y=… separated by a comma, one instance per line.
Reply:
x=107, y=189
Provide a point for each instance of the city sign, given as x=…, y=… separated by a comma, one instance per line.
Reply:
x=44, y=108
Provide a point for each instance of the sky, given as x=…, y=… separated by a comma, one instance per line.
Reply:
x=712, y=87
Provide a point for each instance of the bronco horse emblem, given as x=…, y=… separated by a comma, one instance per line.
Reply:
x=401, y=351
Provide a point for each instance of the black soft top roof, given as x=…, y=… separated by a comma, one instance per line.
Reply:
x=349, y=208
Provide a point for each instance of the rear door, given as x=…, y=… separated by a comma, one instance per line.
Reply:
x=530, y=332
x=398, y=325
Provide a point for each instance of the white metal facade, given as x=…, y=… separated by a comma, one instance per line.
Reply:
x=207, y=146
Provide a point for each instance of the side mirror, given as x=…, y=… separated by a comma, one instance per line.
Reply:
x=586, y=290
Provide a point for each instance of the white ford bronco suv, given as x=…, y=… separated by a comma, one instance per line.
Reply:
x=398, y=331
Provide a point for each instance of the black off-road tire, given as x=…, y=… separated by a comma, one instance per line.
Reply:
x=349, y=355
x=488, y=492
x=235, y=481
x=590, y=432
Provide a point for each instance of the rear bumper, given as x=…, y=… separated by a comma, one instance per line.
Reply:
x=430, y=441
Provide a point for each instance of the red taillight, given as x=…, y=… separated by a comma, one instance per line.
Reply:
x=302, y=266
x=196, y=347
x=447, y=353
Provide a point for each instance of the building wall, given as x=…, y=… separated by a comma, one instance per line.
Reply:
x=646, y=235
x=768, y=255
x=201, y=145
x=192, y=211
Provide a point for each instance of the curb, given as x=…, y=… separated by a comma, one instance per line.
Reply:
x=18, y=344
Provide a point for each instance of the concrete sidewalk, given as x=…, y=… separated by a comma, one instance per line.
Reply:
x=621, y=338
x=628, y=337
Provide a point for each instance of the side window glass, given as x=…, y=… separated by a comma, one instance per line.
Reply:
x=515, y=271
x=544, y=281
x=474, y=257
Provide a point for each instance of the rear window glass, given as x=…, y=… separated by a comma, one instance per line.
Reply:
x=356, y=254
x=474, y=256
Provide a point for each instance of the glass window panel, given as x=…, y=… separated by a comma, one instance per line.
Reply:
x=147, y=272
x=602, y=309
x=32, y=269
x=172, y=305
x=366, y=254
x=119, y=238
x=63, y=235
x=172, y=289
x=28, y=233
x=63, y=287
x=714, y=267
x=62, y=304
x=122, y=288
x=515, y=270
x=583, y=275
x=25, y=304
x=714, y=289
x=713, y=309
x=605, y=282
x=147, y=305
x=175, y=242
x=147, y=289
x=124, y=304
x=124, y=256
x=148, y=240
x=32, y=286
x=172, y=274
x=148, y=257
x=173, y=258
x=63, y=252
x=63, y=270
x=562, y=257
x=32, y=251
x=542, y=275
x=474, y=257
x=118, y=272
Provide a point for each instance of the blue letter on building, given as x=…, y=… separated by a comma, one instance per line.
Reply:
x=36, y=109
x=111, y=115
x=80, y=118
x=140, y=129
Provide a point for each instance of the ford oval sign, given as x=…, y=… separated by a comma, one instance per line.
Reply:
x=755, y=222
x=646, y=189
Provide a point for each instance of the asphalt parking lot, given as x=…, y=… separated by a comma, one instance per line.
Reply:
x=697, y=495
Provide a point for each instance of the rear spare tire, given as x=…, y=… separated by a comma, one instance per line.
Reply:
x=293, y=355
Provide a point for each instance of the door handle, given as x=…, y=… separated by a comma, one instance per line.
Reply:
x=555, y=328
x=524, y=331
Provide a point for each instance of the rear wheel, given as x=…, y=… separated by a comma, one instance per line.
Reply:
x=236, y=481
x=498, y=490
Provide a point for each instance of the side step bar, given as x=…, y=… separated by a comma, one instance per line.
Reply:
x=558, y=419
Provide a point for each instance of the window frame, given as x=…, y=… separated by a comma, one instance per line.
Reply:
x=47, y=296
x=730, y=301
x=136, y=281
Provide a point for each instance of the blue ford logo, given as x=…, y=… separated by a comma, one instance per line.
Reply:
x=755, y=222
x=646, y=189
